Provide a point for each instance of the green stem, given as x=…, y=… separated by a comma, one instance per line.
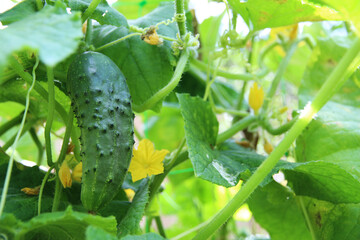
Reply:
x=38, y=88
x=39, y=4
x=281, y=70
x=42, y=188
x=11, y=123
x=238, y=126
x=88, y=35
x=38, y=144
x=65, y=143
x=148, y=223
x=160, y=226
x=180, y=17
x=50, y=116
x=11, y=160
x=337, y=78
x=90, y=10
x=12, y=140
x=194, y=229
x=168, y=88
x=116, y=41
x=75, y=140
x=209, y=83
x=58, y=192
x=300, y=201
x=231, y=111
x=280, y=130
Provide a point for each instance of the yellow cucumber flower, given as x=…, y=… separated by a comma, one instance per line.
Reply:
x=65, y=175
x=256, y=97
x=151, y=37
x=77, y=172
x=146, y=161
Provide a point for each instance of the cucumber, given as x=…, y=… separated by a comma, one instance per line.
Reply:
x=102, y=106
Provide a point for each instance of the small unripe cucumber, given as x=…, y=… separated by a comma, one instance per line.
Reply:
x=102, y=105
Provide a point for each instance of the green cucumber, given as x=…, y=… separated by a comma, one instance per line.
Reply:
x=102, y=105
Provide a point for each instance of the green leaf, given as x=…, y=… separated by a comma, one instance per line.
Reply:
x=334, y=221
x=66, y=225
x=130, y=223
x=24, y=207
x=326, y=181
x=276, y=209
x=260, y=14
x=147, y=236
x=103, y=13
x=225, y=165
x=4, y=158
x=166, y=129
x=348, y=10
x=20, y=11
x=51, y=32
x=147, y=68
x=209, y=34
x=134, y=9
x=96, y=233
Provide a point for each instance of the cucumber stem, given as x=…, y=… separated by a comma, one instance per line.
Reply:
x=50, y=115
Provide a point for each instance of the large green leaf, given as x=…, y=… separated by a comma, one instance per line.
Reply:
x=130, y=223
x=224, y=165
x=349, y=9
x=67, y=225
x=51, y=32
x=147, y=68
x=103, y=13
x=96, y=233
x=334, y=221
x=260, y=14
x=20, y=11
x=275, y=208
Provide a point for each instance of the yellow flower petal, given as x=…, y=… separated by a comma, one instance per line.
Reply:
x=146, y=161
x=256, y=97
x=77, y=172
x=65, y=175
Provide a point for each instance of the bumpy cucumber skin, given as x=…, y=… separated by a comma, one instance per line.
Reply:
x=102, y=105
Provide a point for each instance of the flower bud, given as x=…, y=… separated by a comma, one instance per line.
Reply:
x=256, y=97
x=65, y=175
x=77, y=172
x=268, y=147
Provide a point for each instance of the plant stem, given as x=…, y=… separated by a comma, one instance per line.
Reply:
x=337, y=78
x=116, y=41
x=180, y=17
x=180, y=236
x=90, y=10
x=50, y=115
x=38, y=88
x=11, y=123
x=210, y=82
x=65, y=143
x=89, y=29
x=148, y=224
x=280, y=130
x=168, y=88
x=160, y=226
x=38, y=144
x=57, y=196
x=42, y=188
x=11, y=160
x=280, y=72
x=238, y=126
x=300, y=201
